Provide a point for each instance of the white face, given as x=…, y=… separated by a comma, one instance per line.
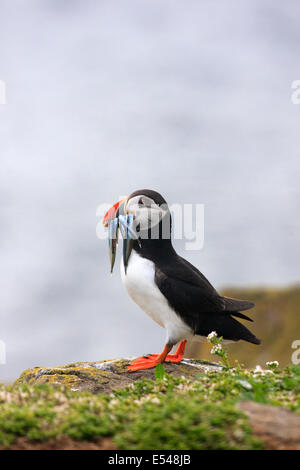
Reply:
x=147, y=214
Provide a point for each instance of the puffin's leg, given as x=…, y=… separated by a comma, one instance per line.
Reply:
x=175, y=358
x=147, y=362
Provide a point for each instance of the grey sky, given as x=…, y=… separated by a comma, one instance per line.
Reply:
x=192, y=99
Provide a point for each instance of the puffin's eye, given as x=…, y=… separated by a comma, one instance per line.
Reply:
x=141, y=202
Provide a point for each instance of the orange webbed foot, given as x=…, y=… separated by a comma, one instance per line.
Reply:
x=151, y=360
x=144, y=362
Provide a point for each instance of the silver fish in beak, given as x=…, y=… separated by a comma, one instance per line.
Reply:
x=113, y=241
x=116, y=219
x=126, y=223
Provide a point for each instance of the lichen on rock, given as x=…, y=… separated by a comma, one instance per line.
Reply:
x=104, y=376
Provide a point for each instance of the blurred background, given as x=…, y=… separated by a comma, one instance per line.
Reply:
x=192, y=99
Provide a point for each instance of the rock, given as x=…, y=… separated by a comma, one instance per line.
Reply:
x=276, y=427
x=104, y=376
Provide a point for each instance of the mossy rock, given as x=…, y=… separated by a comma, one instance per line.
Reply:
x=193, y=406
x=105, y=376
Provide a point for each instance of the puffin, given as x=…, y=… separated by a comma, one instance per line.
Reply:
x=173, y=292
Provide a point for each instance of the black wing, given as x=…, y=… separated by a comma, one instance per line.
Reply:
x=192, y=296
x=187, y=289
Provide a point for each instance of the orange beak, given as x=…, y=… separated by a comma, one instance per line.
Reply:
x=111, y=213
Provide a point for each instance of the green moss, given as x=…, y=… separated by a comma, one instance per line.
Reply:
x=177, y=423
x=169, y=413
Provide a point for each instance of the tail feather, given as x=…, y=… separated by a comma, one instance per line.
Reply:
x=241, y=315
x=241, y=332
x=235, y=305
x=226, y=326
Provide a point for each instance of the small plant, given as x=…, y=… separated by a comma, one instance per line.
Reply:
x=159, y=372
x=217, y=348
x=272, y=365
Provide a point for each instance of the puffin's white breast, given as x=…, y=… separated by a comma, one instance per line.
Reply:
x=140, y=285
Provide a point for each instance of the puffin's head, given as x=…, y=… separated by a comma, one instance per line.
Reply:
x=147, y=207
x=139, y=217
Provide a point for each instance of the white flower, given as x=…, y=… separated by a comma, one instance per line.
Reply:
x=216, y=349
x=212, y=335
x=272, y=363
x=258, y=370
